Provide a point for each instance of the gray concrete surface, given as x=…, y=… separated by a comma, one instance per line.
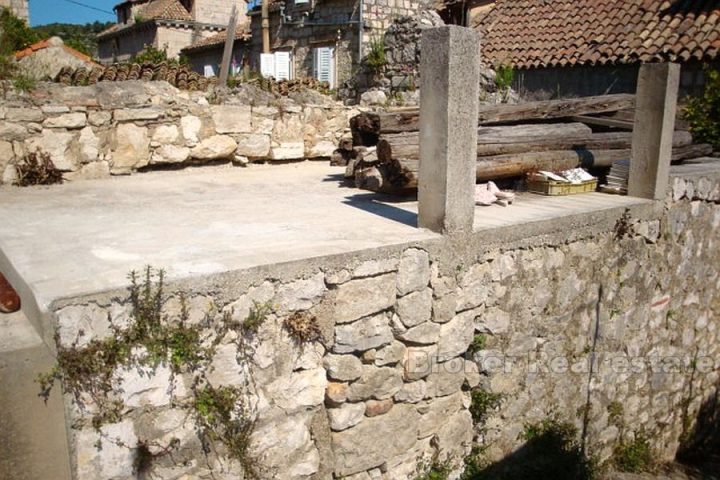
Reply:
x=81, y=238
x=32, y=432
x=450, y=69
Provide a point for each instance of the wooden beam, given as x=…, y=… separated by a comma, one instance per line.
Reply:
x=227, y=53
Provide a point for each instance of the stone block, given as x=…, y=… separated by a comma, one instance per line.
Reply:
x=364, y=334
x=287, y=151
x=68, y=120
x=375, y=382
x=415, y=308
x=165, y=134
x=299, y=390
x=373, y=408
x=231, y=118
x=418, y=362
x=254, y=145
x=191, y=126
x=346, y=416
x=456, y=335
x=358, y=298
x=413, y=271
x=375, y=440
x=343, y=367
x=300, y=294
x=217, y=147
x=18, y=114
x=137, y=114
x=169, y=154
x=131, y=148
x=424, y=334
x=56, y=143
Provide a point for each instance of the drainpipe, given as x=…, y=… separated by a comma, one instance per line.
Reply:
x=361, y=26
x=265, y=26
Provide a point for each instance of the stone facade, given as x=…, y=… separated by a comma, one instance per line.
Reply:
x=133, y=32
x=18, y=7
x=619, y=310
x=121, y=127
x=328, y=23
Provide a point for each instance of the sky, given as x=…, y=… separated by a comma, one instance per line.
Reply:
x=68, y=11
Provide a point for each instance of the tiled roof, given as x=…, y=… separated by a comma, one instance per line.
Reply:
x=49, y=43
x=546, y=33
x=242, y=32
x=164, y=10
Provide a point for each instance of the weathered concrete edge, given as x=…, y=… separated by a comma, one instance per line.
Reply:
x=452, y=249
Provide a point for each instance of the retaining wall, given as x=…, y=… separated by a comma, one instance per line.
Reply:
x=122, y=127
x=576, y=318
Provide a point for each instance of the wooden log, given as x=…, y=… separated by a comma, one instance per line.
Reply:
x=400, y=175
x=366, y=127
x=518, y=139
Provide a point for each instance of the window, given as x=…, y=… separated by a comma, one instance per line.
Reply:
x=277, y=65
x=324, y=64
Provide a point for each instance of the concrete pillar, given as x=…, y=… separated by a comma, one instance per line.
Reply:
x=449, y=97
x=655, y=107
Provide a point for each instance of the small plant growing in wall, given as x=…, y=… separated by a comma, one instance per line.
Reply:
x=634, y=456
x=504, y=76
x=36, y=168
x=302, y=327
x=257, y=316
x=376, y=58
x=482, y=402
x=478, y=343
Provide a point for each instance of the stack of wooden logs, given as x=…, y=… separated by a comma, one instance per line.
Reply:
x=592, y=132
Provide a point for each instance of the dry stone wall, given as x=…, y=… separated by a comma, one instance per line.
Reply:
x=122, y=127
x=625, y=312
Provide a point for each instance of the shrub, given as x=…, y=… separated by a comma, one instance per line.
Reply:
x=635, y=456
x=14, y=35
x=23, y=83
x=303, y=327
x=482, y=402
x=376, y=58
x=504, y=76
x=703, y=113
x=37, y=169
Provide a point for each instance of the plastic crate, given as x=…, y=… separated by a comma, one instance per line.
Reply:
x=542, y=186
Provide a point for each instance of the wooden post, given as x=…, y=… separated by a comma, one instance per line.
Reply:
x=655, y=108
x=227, y=53
x=265, y=23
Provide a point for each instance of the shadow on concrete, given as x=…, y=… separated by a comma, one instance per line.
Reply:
x=377, y=204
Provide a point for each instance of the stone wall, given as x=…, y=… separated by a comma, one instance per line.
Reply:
x=122, y=127
x=385, y=384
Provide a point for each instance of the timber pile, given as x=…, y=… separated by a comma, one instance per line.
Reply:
x=511, y=142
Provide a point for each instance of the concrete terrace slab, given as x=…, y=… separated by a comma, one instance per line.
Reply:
x=80, y=238
x=83, y=238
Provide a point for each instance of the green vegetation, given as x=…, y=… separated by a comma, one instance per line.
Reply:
x=434, y=471
x=615, y=414
x=89, y=370
x=257, y=316
x=376, y=58
x=635, y=456
x=152, y=54
x=478, y=343
x=703, y=113
x=14, y=35
x=82, y=38
x=224, y=417
x=482, y=402
x=504, y=76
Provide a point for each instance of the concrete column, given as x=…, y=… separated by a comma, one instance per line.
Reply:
x=655, y=107
x=449, y=97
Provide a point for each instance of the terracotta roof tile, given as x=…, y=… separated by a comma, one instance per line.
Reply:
x=164, y=10
x=242, y=32
x=48, y=43
x=541, y=33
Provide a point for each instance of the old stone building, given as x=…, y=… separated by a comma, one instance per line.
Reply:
x=169, y=25
x=18, y=7
x=327, y=39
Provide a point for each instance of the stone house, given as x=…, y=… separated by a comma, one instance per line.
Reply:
x=46, y=58
x=18, y=7
x=592, y=47
x=205, y=56
x=164, y=24
x=325, y=39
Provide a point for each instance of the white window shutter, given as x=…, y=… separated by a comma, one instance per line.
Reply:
x=282, y=65
x=324, y=65
x=267, y=65
x=209, y=71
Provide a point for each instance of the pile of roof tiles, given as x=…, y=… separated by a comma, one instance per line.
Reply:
x=179, y=76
